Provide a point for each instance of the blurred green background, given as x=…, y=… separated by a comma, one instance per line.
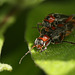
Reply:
x=15, y=45
x=16, y=13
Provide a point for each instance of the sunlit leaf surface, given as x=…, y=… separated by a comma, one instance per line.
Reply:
x=58, y=59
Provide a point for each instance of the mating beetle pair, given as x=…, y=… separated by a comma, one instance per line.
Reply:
x=54, y=28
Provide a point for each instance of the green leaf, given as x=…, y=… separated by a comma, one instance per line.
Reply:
x=5, y=67
x=58, y=59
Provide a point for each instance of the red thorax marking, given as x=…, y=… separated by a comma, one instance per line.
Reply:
x=60, y=25
x=44, y=38
x=50, y=20
x=53, y=28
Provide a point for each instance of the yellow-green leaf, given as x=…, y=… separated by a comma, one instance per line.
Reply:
x=5, y=67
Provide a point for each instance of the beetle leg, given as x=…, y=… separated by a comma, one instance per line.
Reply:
x=43, y=49
x=38, y=26
x=69, y=42
x=41, y=29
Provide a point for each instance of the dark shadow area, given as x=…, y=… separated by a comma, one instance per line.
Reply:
x=15, y=46
x=15, y=35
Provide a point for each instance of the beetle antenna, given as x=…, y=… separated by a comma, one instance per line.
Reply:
x=69, y=42
x=25, y=55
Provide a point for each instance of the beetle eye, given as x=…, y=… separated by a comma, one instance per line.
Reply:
x=41, y=42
